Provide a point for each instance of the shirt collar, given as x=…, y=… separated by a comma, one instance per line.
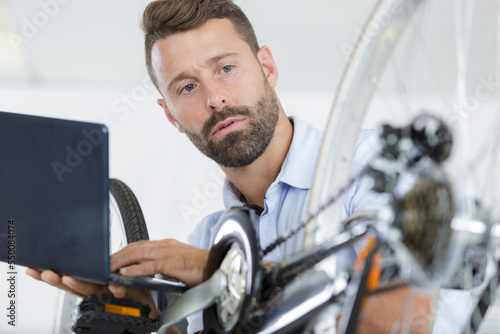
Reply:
x=231, y=195
x=299, y=166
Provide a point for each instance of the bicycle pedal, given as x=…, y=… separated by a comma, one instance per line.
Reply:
x=98, y=316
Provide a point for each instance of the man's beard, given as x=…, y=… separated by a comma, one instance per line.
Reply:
x=241, y=147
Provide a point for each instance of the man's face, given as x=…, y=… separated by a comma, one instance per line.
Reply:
x=217, y=92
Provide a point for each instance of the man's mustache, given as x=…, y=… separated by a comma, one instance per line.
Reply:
x=219, y=116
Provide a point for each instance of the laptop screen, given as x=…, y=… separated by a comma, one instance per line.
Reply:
x=54, y=195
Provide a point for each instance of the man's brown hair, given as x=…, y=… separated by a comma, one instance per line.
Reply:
x=163, y=18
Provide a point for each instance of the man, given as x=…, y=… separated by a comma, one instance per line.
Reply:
x=218, y=88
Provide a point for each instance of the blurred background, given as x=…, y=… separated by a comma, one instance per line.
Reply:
x=84, y=60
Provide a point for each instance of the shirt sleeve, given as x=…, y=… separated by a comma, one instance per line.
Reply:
x=201, y=237
x=358, y=197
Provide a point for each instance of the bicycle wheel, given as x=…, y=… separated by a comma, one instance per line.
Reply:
x=417, y=56
x=127, y=224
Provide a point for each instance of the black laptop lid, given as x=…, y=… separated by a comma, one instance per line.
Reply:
x=54, y=189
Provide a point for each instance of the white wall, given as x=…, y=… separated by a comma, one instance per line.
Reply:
x=164, y=170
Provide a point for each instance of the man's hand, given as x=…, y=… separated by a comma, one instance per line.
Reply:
x=85, y=289
x=66, y=283
x=168, y=257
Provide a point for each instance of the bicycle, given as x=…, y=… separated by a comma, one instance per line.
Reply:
x=450, y=188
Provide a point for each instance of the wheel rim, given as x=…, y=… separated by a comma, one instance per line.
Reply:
x=235, y=251
x=230, y=303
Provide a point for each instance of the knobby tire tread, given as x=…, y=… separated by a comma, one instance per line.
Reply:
x=130, y=211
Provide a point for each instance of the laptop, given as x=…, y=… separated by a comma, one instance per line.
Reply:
x=54, y=199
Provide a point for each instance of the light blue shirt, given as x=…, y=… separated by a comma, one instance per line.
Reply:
x=286, y=200
x=286, y=205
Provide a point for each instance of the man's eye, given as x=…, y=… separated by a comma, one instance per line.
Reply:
x=189, y=87
x=227, y=69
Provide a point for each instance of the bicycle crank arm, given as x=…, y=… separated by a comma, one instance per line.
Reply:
x=286, y=271
x=193, y=300
x=291, y=310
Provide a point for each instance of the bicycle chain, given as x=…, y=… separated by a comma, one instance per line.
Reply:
x=438, y=149
x=330, y=201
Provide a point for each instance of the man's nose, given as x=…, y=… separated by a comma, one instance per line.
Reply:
x=217, y=97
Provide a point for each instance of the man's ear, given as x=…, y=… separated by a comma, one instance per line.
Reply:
x=268, y=66
x=171, y=119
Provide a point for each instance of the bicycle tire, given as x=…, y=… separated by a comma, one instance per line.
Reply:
x=130, y=211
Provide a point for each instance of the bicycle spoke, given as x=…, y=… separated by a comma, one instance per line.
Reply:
x=402, y=90
x=489, y=151
x=430, y=60
x=493, y=168
x=467, y=206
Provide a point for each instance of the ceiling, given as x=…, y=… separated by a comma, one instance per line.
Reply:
x=99, y=42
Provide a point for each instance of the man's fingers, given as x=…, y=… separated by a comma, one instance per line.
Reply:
x=143, y=269
x=36, y=274
x=73, y=292
x=169, y=257
x=119, y=291
x=131, y=293
x=51, y=278
x=83, y=288
x=68, y=283
x=134, y=253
